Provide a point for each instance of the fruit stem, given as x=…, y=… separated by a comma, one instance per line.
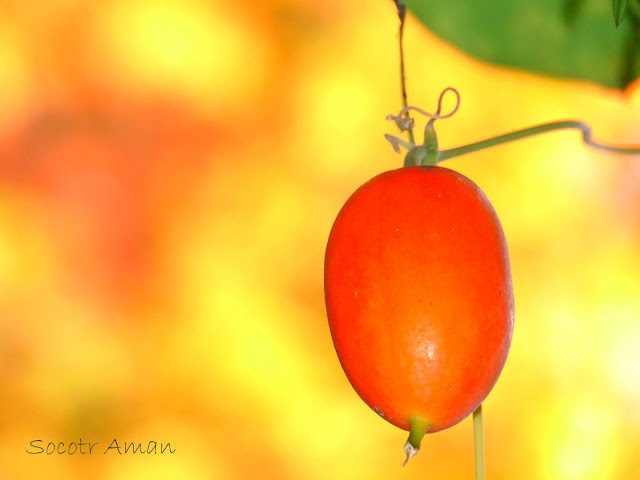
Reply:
x=419, y=426
x=402, y=12
x=536, y=130
x=478, y=443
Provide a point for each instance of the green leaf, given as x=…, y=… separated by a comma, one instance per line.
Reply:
x=571, y=39
x=619, y=9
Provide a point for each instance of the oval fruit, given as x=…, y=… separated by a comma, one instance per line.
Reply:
x=419, y=296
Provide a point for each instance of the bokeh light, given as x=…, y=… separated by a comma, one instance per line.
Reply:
x=169, y=173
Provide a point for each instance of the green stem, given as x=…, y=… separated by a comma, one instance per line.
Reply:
x=528, y=132
x=402, y=11
x=478, y=443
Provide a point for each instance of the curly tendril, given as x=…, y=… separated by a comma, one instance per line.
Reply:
x=432, y=116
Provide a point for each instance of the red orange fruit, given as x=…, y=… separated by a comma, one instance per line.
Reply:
x=419, y=296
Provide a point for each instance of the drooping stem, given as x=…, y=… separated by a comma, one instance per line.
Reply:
x=536, y=130
x=402, y=12
x=478, y=443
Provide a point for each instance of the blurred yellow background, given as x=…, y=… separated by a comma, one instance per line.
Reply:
x=169, y=173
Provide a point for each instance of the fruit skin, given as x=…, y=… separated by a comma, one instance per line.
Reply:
x=419, y=295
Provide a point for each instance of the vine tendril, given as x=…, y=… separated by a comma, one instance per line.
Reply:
x=431, y=116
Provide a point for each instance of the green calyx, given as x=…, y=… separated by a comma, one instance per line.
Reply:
x=426, y=154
